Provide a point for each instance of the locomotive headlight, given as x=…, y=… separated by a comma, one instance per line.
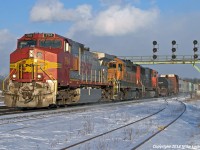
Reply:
x=31, y=53
x=39, y=76
x=14, y=76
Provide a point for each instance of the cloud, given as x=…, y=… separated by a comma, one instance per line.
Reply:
x=117, y=20
x=113, y=20
x=53, y=10
x=7, y=41
x=122, y=29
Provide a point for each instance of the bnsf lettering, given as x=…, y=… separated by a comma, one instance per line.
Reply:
x=28, y=65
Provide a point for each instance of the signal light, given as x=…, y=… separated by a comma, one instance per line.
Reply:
x=195, y=42
x=154, y=42
x=195, y=49
x=173, y=56
x=195, y=56
x=173, y=42
x=155, y=50
x=173, y=49
x=154, y=56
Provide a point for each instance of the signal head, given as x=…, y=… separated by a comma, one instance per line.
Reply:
x=154, y=56
x=173, y=42
x=195, y=49
x=155, y=43
x=195, y=56
x=173, y=56
x=173, y=49
x=155, y=50
x=195, y=42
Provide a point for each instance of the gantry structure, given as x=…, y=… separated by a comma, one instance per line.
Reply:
x=164, y=59
x=167, y=59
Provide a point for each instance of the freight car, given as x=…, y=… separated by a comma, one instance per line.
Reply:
x=187, y=86
x=47, y=69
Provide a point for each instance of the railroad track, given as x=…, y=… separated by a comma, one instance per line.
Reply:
x=62, y=129
x=4, y=110
x=45, y=113
x=22, y=116
x=163, y=128
x=81, y=143
x=7, y=111
x=3, y=107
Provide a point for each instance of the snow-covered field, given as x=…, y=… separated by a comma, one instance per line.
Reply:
x=183, y=134
x=60, y=131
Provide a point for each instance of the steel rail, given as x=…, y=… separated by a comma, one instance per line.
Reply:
x=18, y=111
x=94, y=137
x=140, y=144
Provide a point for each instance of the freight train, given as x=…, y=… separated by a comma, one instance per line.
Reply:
x=47, y=70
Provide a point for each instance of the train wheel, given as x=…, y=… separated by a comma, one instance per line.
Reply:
x=53, y=106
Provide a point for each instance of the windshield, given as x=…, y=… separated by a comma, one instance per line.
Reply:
x=51, y=43
x=112, y=65
x=27, y=43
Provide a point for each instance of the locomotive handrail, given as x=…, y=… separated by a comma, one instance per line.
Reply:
x=49, y=77
x=3, y=85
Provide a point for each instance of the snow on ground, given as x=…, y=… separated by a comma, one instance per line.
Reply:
x=127, y=138
x=183, y=134
x=59, y=131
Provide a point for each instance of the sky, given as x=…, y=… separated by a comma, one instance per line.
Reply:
x=119, y=27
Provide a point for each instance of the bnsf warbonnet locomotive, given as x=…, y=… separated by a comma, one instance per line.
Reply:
x=48, y=69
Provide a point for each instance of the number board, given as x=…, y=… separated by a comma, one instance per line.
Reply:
x=48, y=35
x=28, y=35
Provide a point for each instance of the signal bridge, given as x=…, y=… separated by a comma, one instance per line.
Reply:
x=164, y=59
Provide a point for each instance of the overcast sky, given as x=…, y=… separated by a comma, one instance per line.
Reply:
x=120, y=27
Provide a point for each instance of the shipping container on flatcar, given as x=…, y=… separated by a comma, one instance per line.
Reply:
x=183, y=86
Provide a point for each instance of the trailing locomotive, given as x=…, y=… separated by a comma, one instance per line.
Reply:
x=48, y=69
x=168, y=84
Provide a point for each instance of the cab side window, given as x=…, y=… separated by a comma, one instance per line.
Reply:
x=120, y=67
